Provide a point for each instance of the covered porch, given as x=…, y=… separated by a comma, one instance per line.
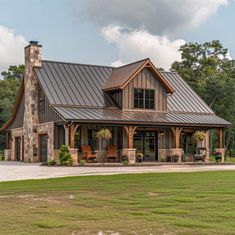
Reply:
x=138, y=143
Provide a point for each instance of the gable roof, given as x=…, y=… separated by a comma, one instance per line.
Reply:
x=74, y=84
x=121, y=76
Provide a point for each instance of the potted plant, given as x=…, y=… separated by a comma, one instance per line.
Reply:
x=140, y=157
x=103, y=134
x=199, y=136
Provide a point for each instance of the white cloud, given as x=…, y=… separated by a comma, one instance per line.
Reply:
x=138, y=44
x=11, y=48
x=159, y=17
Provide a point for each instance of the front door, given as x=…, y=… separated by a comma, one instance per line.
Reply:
x=43, y=148
x=17, y=148
x=146, y=142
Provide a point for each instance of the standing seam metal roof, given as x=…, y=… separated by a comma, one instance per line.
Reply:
x=75, y=92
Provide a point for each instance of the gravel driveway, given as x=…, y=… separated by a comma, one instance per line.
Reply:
x=19, y=171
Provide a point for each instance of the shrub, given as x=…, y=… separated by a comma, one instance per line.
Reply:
x=82, y=162
x=51, y=163
x=125, y=162
x=65, y=156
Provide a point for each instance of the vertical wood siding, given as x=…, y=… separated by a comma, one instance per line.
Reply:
x=116, y=96
x=49, y=115
x=145, y=79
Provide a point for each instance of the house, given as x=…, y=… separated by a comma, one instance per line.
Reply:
x=147, y=111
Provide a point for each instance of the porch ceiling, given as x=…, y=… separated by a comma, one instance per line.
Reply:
x=79, y=114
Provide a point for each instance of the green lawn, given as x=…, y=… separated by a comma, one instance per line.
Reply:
x=169, y=203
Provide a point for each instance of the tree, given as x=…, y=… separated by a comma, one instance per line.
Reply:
x=211, y=73
x=9, y=86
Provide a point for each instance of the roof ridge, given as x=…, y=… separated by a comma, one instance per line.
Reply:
x=135, y=62
x=63, y=62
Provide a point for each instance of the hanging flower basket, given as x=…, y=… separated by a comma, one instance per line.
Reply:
x=199, y=135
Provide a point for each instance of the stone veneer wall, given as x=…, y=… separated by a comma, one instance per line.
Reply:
x=18, y=132
x=32, y=59
x=47, y=128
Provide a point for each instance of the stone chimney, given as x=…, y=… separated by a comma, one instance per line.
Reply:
x=32, y=60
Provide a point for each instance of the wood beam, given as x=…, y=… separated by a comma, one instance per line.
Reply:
x=220, y=138
x=176, y=136
x=130, y=130
x=72, y=132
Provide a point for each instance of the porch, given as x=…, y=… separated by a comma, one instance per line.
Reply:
x=135, y=143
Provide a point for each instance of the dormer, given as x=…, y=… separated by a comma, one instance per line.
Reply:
x=138, y=86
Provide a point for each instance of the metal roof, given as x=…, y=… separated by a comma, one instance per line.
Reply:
x=119, y=75
x=184, y=98
x=75, y=92
x=149, y=117
x=74, y=84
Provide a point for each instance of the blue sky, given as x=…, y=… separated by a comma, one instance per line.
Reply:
x=94, y=32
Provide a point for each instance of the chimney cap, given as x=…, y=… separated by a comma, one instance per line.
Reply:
x=33, y=42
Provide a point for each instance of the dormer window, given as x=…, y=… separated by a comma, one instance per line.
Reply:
x=144, y=98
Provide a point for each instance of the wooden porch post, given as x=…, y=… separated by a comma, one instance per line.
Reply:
x=220, y=135
x=176, y=137
x=130, y=130
x=73, y=129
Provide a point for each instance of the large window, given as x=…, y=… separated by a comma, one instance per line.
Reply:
x=92, y=140
x=144, y=98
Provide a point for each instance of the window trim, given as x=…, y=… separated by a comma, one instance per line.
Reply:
x=144, y=90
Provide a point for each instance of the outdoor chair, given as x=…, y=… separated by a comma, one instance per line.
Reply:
x=87, y=153
x=112, y=152
x=200, y=155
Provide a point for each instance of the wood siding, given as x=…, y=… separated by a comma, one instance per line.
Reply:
x=116, y=96
x=147, y=80
x=19, y=118
x=49, y=115
x=59, y=136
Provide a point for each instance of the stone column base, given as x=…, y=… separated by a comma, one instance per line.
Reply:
x=7, y=154
x=74, y=154
x=222, y=151
x=131, y=155
x=178, y=152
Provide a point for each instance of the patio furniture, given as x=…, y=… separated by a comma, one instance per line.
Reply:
x=112, y=152
x=173, y=158
x=200, y=155
x=87, y=153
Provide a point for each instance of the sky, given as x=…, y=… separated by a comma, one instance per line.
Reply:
x=112, y=32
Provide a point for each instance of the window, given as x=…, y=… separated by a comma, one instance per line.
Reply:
x=41, y=101
x=92, y=140
x=144, y=98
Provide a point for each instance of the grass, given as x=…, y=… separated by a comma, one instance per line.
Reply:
x=166, y=203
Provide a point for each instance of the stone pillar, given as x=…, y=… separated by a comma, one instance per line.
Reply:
x=221, y=143
x=130, y=153
x=74, y=155
x=32, y=60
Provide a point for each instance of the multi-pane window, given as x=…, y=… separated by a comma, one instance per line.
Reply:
x=144, y=98
x=92, y=140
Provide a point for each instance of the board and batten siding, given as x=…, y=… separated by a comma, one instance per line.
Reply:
x=48, y=115
x=19, y=118
x=146, y=80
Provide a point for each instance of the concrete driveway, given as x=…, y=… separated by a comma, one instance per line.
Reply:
x=10, y=171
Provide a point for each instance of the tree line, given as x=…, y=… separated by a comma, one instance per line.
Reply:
x=206, y=67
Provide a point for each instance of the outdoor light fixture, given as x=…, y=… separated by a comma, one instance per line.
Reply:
x=162, y=133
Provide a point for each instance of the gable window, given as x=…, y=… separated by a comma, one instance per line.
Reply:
x=41, y=101
x=144, y=98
